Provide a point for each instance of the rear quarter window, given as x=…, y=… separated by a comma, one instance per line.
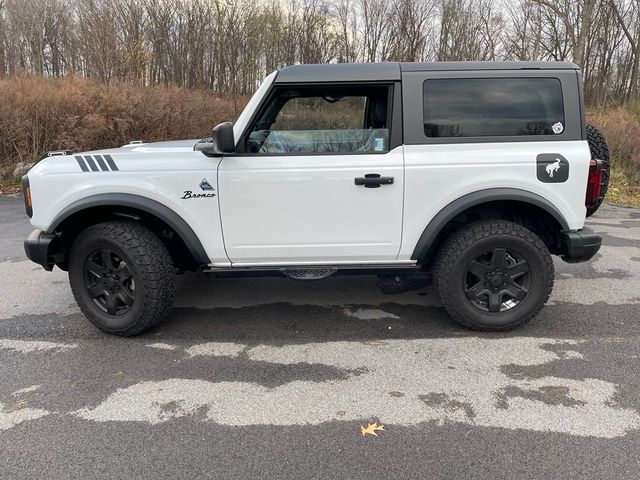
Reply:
x=493, y=107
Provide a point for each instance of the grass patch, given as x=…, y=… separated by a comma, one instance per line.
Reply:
x=623, y=191
x=621, y=128
x=8, y=187
x=8, y=184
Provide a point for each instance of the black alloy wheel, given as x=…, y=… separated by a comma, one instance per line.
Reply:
x=109, y=282
x=493, y=275
x=498, y=280
x=122, y=277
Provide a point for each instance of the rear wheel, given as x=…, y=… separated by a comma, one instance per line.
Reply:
x=122, y=277
x=599, y=151
x=494, y=275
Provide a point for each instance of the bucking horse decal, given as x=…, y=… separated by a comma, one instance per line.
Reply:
x=553, y=168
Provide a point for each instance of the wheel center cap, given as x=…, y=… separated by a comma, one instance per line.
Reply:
x=111, y=283
x=496, y=280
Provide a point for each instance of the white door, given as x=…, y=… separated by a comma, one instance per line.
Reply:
x=310, y=187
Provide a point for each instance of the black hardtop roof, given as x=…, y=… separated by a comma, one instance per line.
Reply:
x=385, y=71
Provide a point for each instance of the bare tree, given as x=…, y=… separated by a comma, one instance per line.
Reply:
x=412, y=25
x=465, y=27
x=577, y=18
x=229, y=45
x=3, y=40
x=375, y=21
x=629, y=20
x=523, y=39
x=348, y=47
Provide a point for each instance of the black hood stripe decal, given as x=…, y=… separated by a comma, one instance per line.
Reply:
x=96, y=163
x=103, y=166
x=91, y=163
x=83, y=166
x=111, y=163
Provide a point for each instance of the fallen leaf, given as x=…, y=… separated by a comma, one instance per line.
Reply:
x=396, y=393
x=371, y=429
x=561, y=390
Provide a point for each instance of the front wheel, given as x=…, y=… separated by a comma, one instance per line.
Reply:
x=122, y=277
x=494, y=275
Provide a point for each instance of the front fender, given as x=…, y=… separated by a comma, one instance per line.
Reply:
x=157, y=209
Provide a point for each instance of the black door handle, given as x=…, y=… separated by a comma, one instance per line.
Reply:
x=373, y=180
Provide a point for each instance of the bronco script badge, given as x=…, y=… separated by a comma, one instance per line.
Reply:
x=205, y=186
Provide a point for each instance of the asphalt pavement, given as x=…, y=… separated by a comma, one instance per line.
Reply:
x=273, y=378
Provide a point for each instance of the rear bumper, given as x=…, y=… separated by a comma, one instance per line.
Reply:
x=580, y=246
x=37, y=246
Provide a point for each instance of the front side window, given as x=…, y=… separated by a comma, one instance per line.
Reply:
x=322, y=120
x=480, y=107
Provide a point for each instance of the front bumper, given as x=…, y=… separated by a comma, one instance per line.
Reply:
x=37, y=246
x=580, y=246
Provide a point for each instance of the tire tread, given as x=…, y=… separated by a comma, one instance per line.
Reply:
x=154, y=263
x=599, y=150
x=462, y=239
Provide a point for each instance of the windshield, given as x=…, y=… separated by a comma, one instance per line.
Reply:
x=245, y=116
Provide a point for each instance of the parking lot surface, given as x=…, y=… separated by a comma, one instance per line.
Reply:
x=272, y=378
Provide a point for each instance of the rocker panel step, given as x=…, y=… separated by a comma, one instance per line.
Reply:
x=308, y=273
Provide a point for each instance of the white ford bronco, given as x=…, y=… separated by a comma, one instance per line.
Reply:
x=477, y=172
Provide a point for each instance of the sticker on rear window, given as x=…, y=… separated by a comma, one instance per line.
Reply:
x=378, y=144
x=557, y=128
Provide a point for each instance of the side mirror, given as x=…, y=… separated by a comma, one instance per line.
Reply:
x=222, y=141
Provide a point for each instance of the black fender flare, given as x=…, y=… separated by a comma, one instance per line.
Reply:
x=153, y=207
x=479, y=197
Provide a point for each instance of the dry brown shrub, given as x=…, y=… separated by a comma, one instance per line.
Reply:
x=40, y=114
x=621, y=128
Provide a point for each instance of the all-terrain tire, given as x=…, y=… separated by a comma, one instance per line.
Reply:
x=466, y=245
x=148, y=263
x=600, y=151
